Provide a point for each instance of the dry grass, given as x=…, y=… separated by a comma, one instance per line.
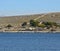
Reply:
x=52, y=17
x=17, y=20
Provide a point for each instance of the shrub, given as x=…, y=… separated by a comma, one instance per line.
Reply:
x=33, y=23
x=50, y=23
x=9, y=26
x=24, y=23
x=41, y=25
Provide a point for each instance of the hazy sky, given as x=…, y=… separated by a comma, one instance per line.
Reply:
x=19, y=7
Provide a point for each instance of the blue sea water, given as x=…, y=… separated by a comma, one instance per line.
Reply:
x=29, y=41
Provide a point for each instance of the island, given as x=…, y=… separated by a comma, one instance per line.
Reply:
x=47, y=22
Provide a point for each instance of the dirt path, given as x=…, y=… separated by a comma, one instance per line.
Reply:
x=40, y=17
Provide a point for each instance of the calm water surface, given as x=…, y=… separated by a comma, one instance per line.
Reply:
x=29, y=41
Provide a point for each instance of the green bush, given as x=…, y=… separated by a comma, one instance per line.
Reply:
x=50, y=23
x=33, y=23
x=41, y=25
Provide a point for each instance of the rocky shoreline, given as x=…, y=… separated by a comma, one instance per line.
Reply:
x=34, y=31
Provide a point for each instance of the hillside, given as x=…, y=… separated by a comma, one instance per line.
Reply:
x=51, y=17
x=17, y=20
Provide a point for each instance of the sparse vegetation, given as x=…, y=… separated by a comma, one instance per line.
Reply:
x=50, y=24
x=46, y=21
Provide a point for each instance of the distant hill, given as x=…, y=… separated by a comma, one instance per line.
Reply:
x=17, y=20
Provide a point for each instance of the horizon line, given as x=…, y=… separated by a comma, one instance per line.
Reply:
x=31, y=14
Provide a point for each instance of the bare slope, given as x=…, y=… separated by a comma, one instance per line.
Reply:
x=17, y=20
x=51, y=17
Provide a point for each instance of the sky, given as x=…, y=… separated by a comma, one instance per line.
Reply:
x=25, y=7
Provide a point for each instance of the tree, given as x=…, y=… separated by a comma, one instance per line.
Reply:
x=33, y=23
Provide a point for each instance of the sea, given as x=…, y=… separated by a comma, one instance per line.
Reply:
x=29, y=41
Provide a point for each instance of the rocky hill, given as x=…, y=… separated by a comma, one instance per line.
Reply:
x=17, y=20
